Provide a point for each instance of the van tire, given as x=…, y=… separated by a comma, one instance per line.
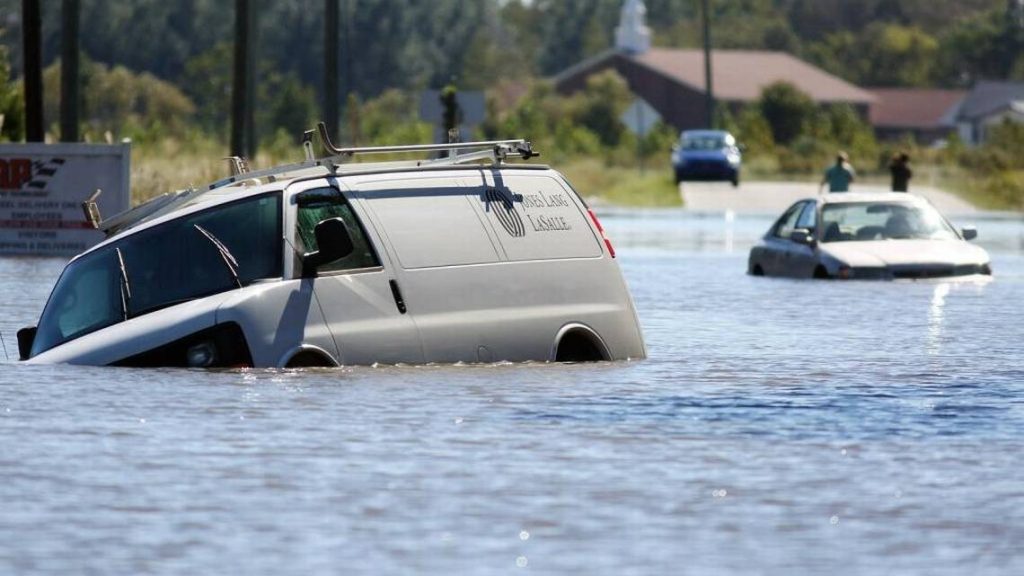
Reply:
x=309, y=359
x=580, y=345
x=820, y=273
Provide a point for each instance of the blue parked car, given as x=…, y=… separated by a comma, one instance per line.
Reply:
x=707, y=155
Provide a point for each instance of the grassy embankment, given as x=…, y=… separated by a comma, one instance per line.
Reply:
x=168, y=165
x=171, y=165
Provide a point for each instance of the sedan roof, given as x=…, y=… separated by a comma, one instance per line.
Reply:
x=861, y=197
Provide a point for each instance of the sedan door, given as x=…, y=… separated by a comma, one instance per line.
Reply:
x=774, y=254
x=803, y=257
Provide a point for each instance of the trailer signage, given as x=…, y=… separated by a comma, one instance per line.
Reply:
x=42, y=187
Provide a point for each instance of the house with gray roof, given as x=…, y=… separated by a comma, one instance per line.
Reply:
x=987, y=105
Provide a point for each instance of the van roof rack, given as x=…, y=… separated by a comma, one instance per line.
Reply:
x=497, y=151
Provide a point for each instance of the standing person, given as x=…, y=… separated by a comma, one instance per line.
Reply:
x=899, y=167
x=838, y=176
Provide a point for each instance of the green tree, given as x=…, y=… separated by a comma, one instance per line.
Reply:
x=754, y=132
x=392, y=118
x=12, y=103
x=285, y=104
x=121, y=101
x=603, y=102
x=895, y=55
x=880, y=55
x=989, y=45
x=207, y=81
x=843, y=129
x=787, y=110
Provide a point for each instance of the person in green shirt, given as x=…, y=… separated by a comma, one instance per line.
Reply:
x=839, y=175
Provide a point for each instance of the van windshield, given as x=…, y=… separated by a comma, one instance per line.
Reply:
x=163, y=266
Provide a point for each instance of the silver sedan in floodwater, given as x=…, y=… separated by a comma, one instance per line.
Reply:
x=866, y=236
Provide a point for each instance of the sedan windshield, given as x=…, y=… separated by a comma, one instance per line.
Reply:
x=163, y=266
x=707, y=141
x=844, y=222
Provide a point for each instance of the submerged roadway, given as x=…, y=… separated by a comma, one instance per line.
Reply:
x=774, y=197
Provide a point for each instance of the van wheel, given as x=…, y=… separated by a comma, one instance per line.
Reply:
x=757, y=271
x=579, y=346
x=820, y=273
x=309, y=359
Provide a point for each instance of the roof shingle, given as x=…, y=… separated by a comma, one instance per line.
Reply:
x=915, y=107
x=741, y=75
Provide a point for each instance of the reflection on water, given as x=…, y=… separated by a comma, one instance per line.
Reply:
x=935, y=317
x=778, y=427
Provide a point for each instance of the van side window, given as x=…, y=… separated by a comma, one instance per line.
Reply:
x=315, y=206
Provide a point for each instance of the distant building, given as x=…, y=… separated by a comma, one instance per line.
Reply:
x=989, y=104
x=925, y=114
x=672, y=81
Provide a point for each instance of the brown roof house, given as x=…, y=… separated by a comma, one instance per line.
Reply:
x=672, y=81
x=925, y=114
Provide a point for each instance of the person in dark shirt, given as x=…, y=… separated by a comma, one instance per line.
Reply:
x=899, y=167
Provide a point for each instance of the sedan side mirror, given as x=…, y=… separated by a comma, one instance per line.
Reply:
x=26, y=337
x=334, y=243
x=802, y=236
x=969, y=232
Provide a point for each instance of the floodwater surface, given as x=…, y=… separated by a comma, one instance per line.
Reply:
x=778, y=427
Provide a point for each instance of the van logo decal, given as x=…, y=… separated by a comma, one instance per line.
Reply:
x=505, y=211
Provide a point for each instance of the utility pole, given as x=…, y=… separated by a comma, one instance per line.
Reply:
x=349, y=74
x=69, y=102
x=331, y=78
x=241, y=94
x=250, y=80
x=32, y=58
x=709, y=95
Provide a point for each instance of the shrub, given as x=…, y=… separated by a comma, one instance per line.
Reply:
x=787, y=110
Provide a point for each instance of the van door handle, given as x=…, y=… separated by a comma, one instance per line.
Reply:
x=397, y=293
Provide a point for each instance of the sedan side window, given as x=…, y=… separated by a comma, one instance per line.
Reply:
x=785, y=226
x=321, y=204
x=809, y=217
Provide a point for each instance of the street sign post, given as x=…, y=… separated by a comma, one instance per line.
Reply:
x=640, y=118
x=472, y=111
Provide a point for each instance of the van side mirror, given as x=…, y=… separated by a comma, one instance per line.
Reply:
x=802, y=236
x=334, y=243
x=26, y=337
x=969, y=232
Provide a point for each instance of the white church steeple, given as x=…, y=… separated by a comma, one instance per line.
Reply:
x=633, y=36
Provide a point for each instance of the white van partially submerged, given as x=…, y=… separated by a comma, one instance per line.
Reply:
x=326, y=263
